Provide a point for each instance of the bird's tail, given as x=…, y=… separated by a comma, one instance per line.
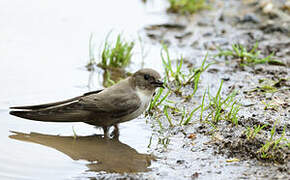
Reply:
x=56, y=114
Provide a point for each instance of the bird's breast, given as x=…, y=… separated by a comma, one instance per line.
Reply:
x=145, y=99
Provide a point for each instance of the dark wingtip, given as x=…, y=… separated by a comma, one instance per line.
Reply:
x=11, y=112
x=20, y=107
x=14, y=113
x=16, y=107
x=17, y=113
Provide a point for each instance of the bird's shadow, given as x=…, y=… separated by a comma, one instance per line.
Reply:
x=102, y=154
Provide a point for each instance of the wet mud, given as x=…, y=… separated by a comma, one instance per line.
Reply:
x=263, y=90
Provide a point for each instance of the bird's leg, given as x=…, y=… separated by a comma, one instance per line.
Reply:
x=106, y=130
x=116, y=132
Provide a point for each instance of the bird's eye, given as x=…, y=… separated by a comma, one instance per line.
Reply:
x=146, y=76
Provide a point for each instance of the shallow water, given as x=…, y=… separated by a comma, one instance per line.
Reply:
x=44, y=49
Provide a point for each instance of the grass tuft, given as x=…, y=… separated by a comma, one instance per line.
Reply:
x=232, y=115
x=168, y=116
x=174, y=80
x=247, y=57
x=251, y=133
x=156, y=101
x=116, y=55
x=186, y=6
x=113, y=55
x=178, y=77
x=114, y=58
x=269, y=149
x=189, y=116
x=220, y=108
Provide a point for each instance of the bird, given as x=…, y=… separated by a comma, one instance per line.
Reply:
x=124, y=101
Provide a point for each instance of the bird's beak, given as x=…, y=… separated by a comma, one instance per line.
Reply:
x=158, y=83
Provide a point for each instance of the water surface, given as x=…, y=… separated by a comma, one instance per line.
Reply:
x=43, y=51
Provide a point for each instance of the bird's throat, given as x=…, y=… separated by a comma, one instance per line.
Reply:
x=144, y=95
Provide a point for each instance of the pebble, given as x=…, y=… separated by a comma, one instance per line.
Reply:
x=287, y=5
x=250, y=18
x=180, y=161
x=226, y=78
x=268, y=8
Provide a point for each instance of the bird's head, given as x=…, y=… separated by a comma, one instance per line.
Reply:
x=146, y=80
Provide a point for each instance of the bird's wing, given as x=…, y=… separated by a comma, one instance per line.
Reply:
x=48, y=105
x=62, y=111
x=107, y=104
x=110, y=103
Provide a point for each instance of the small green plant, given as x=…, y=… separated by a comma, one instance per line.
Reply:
x=267, y=151
x=202, y=108
x=157, y=100
x=159, y=123
x=232, y=115
x=179, y=78
x=220, y=108
x=196, y=73
x=267, y=86
x=186, y=6
x=251, y=133
x=168, y=116
x=247, y=57
x=169, y=72
x=268, y=89
x=188, y=116
x=164, y=141
x=270, y=105
x=117, y=55
x=216, y=104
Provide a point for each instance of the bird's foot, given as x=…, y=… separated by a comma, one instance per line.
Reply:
x=116, y=133
x=106, y=132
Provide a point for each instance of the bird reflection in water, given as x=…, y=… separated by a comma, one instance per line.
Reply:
x=103, y=154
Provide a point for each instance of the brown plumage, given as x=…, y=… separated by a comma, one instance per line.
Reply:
x=121, y=102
